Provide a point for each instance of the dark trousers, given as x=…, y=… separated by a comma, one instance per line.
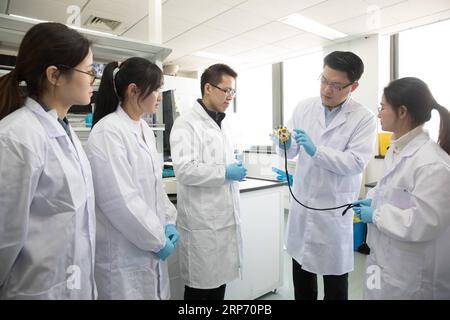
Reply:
x=305, y=284
x=204, y=294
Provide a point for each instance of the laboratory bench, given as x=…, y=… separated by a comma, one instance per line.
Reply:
x=262, y=224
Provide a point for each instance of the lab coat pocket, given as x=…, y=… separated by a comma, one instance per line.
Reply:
x=136, y=283
x=201, y=251
x=399, y=197
x=338, y=141
x=403, y=275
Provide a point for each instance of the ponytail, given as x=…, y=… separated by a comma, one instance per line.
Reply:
x=444, y=128
x=146, y=75
x=107, y=97
x=11, y=96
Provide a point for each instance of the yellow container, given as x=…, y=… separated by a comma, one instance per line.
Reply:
x=384, y=140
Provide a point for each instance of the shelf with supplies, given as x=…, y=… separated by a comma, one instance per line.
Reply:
x=105, y=48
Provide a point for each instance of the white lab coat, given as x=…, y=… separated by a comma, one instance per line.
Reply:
x=410, y=234
x=47, y=219
x=208, y=205
x=132, y=209
x=322, y=241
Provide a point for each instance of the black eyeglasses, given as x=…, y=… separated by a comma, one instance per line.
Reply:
x=334, y=86
x=91, y=73
x=228, y=92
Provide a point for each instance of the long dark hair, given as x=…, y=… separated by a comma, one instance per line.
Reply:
x=146, y=75
x=415, y=95
x=45, y=44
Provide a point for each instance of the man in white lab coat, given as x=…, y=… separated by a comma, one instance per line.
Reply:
x=207, y=190
x=334, y=138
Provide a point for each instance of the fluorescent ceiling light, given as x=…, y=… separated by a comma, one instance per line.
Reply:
x=300, y=22
x=69, y=25
x=214, y=56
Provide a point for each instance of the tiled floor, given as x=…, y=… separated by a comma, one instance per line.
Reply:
x=355, y=281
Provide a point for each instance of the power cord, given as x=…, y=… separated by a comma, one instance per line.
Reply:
x=346, y=206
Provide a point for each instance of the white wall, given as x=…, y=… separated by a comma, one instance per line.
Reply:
x=187, y=91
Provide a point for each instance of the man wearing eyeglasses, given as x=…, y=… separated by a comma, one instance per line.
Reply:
x=334, y=139
x=207, y=189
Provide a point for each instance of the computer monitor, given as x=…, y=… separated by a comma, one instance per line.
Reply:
x=169, y=115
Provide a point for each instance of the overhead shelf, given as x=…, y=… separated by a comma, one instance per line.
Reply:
x=105, y=48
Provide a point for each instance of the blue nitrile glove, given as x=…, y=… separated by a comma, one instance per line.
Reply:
x=281, y=175
x=302, y=139
x=166, y=250
x=279, y=144
x=235, y=172
x=364, y=213
x=364, y=202
x=172, y=233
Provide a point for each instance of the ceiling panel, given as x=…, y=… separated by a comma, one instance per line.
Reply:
x=195, y=10
x=191, y=63
x=302, y=41
x=234, y=46
x=325, y=13
x=127, y=12
x=383, y=3
x=441, y=16
x=236, y=21
x=47, y=10
x=413, y=9
x=261, y=53
x=139, y=31
x=274, y=10
x=272, y=32
x=174, y=26
x=195, y=40
x=244, y=28
x=364, y=25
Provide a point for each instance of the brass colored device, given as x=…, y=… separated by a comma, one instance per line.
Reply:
x=282, y=133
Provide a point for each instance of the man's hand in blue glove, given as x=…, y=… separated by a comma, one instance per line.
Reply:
x=281, y=175
x=166, y=250
x=235, y=172
x=364, y=202
x=279, y=144
x=302, y=139
x=363, y=210
x=172, y=233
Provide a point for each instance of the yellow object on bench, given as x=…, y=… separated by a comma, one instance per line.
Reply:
x=384, y=140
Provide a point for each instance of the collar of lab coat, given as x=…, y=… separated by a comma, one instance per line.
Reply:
x=205, y=116
x=410, y=149
x=347, y=107
x=133, y=125
x=50, y=118
x=136, y=128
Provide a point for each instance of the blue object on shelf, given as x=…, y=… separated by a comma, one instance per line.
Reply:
x=359, y=232
x=88, y=120
x=168, y=172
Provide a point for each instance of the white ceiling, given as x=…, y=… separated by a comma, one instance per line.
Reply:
x=242, y=32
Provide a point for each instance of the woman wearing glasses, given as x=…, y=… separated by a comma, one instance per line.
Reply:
x=47, y=223
x=135, y=219
x=408, y=211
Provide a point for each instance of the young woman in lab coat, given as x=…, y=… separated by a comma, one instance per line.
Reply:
x=135, y=219
x=408, y=211
x=47, y=220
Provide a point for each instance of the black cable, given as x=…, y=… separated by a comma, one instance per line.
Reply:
x=348, y=206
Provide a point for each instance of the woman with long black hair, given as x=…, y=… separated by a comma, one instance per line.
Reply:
x=47, y=219
x=135, y=220
x=408, y=212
